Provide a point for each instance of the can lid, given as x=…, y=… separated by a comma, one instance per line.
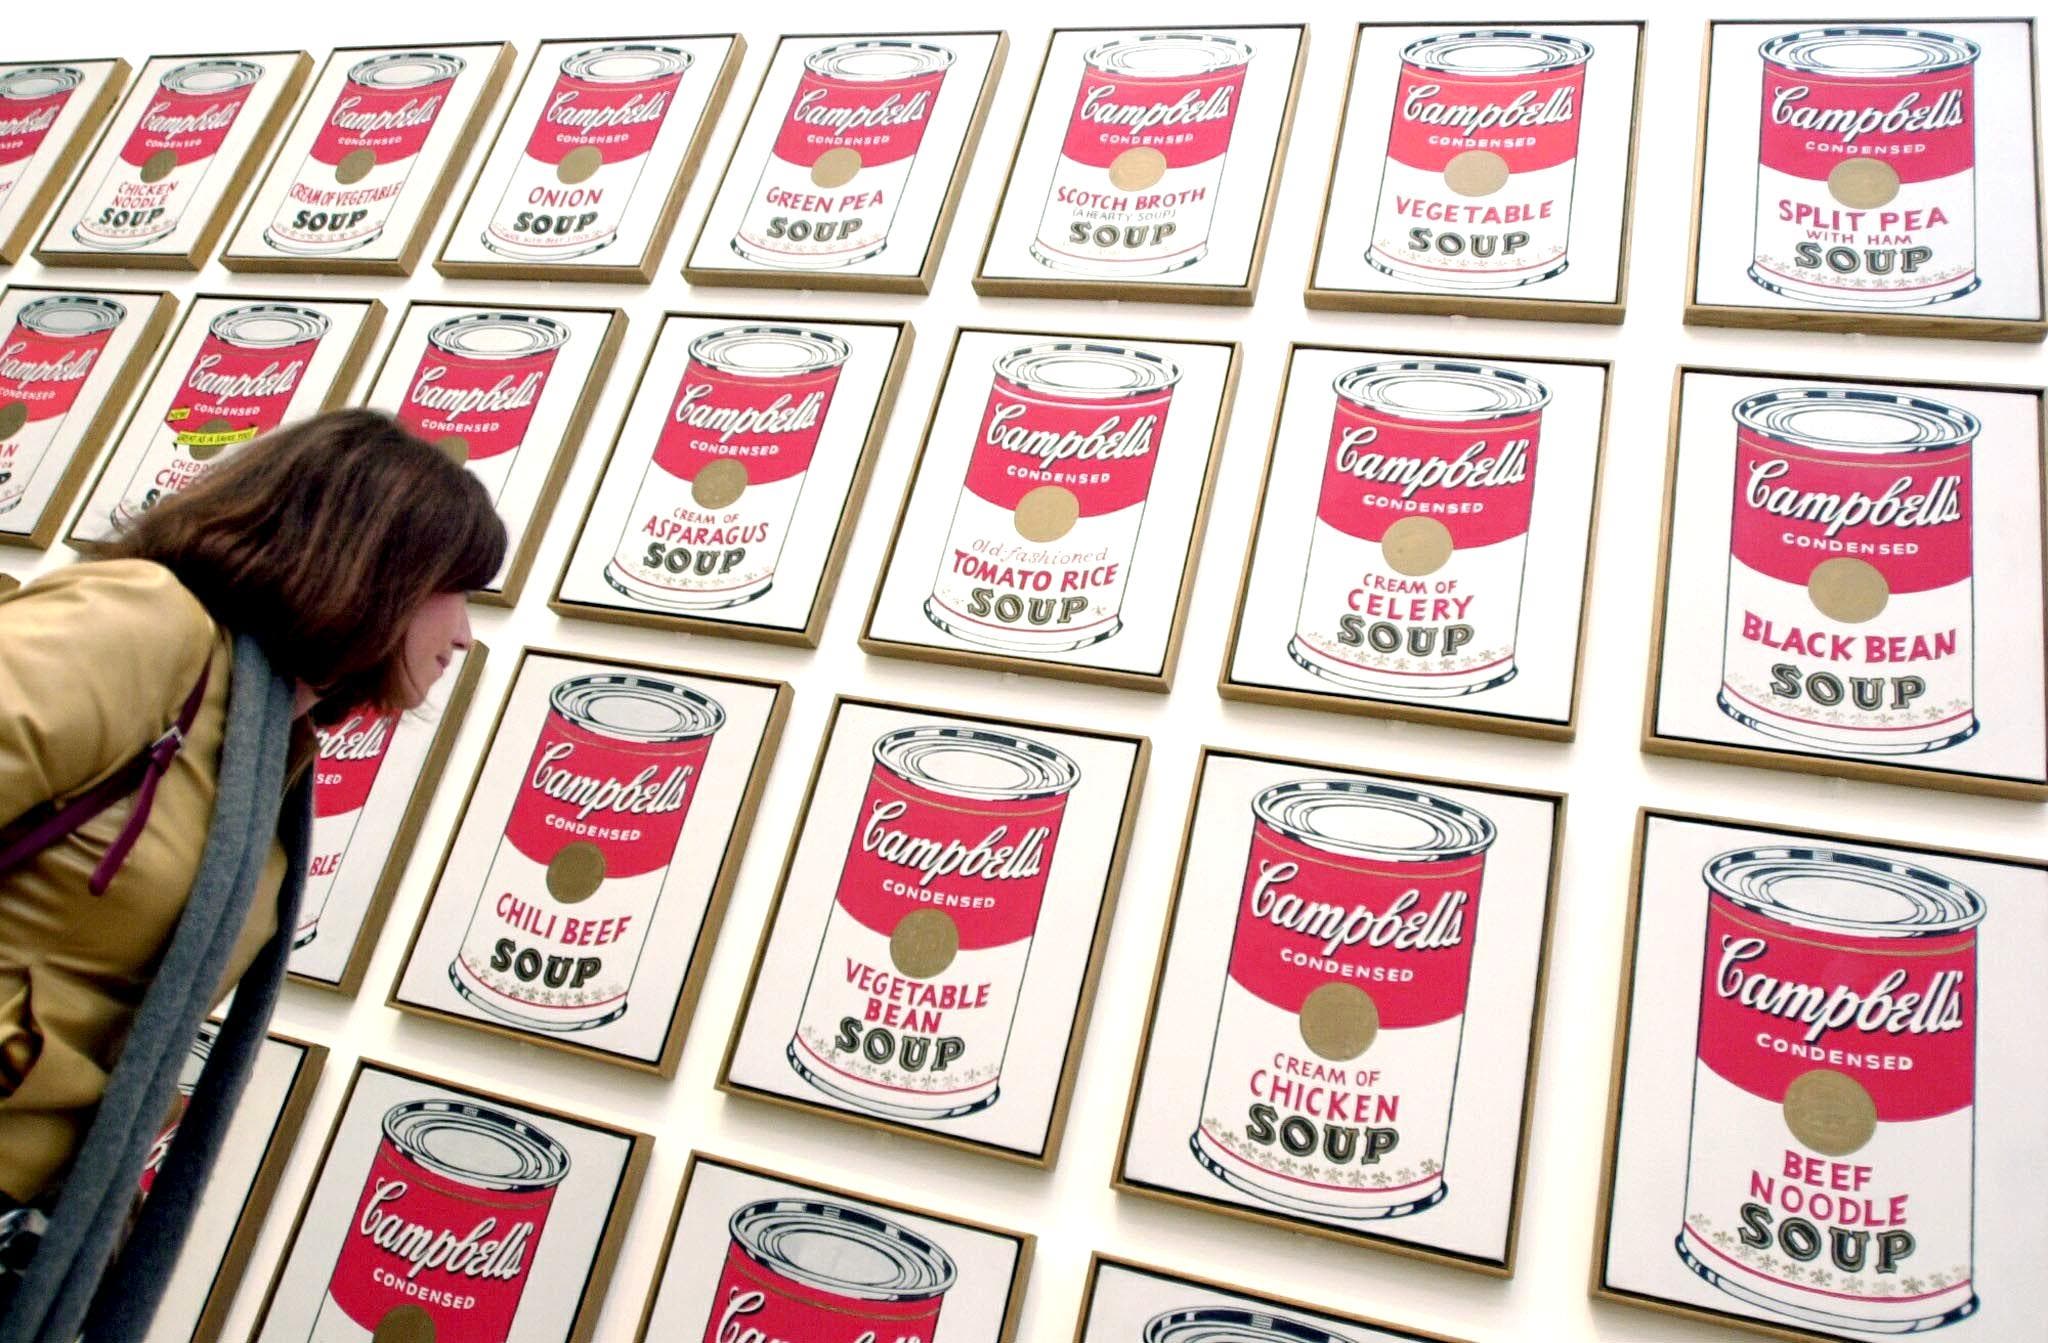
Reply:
x=1840, y=891
x=406, y=69
x=976, y=762
x=878, y=60
x=1862, y=52
x=199, y=78
x=1087, y=370
x=1510, y=52
x=768, y=351
x=266, y=326
x=1442, y=389
x=475, y=1145
x=846, y=1251
x=498, y=335
x=626, y=63
x=1228, y=1324
x=1361, y=819
x=202, y=1043
x=632, y=707
x=1856, y=419
x=39, y=81
x=71, y=315
x=1168, y=55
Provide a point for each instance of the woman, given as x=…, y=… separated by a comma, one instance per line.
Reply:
x=175, y=681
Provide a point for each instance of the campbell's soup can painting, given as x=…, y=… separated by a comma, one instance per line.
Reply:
x=1134, y=188
x=1831, y=1170
x=188, y=1082
x=445, y=1235
x=831, y=186
x=1415, y=561
x=343, y=193
x=1231, y=1324
x=1851, y=616
x=45, y=358
x=32, y=97
x=714, y=508
x=144, y=195
x=352, y=754
x=563, y=917
x=478, y=383
x=1043, y=537
x=587, y=151
x=1481, y=156
x=1866, y=182
x=915, y=988
x=817, y=1272
x=1330, y=1086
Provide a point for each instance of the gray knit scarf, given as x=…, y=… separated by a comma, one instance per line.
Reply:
x=68, y=1287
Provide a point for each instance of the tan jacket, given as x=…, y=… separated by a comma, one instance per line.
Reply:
x=95, y=662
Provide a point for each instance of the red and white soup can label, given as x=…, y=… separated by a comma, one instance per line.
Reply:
x=1851, y=620
x=563, y=918
x=1866, y=179
x=1414, y=580
x=352, y=754
x=1332, y=1078
x=808, y=1271
x=32, y=97
x=344, y=191
x=1831, y=1173
x=587, y=151
x=479, y=381
x=170, y=151
x=1045, y=532
x=188, y=1082
x=916, y=984
x=830, y=188
x=1135, y=186
x=449, y=1224
x=713, y=513
x=1481, y=155
x=45, y=358
x=240, y=384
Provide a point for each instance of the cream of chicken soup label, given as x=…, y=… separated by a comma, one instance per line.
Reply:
x=45, y=359
x=168, y=154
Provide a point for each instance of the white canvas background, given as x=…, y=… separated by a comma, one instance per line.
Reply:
x=38, y=168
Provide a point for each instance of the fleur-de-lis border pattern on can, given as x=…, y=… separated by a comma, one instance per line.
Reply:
x=167, y=155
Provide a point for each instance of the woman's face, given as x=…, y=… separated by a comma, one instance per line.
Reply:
x=438, y=629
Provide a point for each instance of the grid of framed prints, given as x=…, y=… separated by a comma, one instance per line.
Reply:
x=49, y=111
x=1124, y=1301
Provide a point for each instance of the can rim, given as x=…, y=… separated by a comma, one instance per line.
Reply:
x=450, y=65
x=67, y=77
x=758, y=1226
x=699, y=714
x=1425, y=53
x=675, y=61
x=246, y=72
x=1232, y=1324
x=1237, y=50
x=1747, y=877
x=1951, y=52
x=546, y=1160
x=1765, y=412
x=1520, y=393
x=1026, y=367
x=937, y=59
x=829, y=351
x=311, y=325
x=1047, y=771
x=546, y=333
x=108, y=314
x=1456, y=830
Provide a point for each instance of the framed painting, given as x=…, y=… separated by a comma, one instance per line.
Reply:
x=49, y=112
x=1124, y=1300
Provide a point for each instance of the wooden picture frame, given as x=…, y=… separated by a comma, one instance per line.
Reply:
x=69, y=453
x=579, y=595
x=828, y=1214
x=250, y=249
x=1380, y=287
x=1199, y=1181
x=478, y=1107
x=204, y=217
x=555, y=977
x=1772, y=307
x=901, y=617
x=1803, y=744
x=8, y=583
x=1235, y=1306
x=1165, y=277
x=1053, y=1082
x=459, y=259
x=26, y=199
x=1560, y=722
x=711, y=259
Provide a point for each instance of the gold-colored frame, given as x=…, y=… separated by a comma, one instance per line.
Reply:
x=685, y=1007
x=664, y=220
x=337, y=393
x=425, y=785
x=1099, y=1261
x=520, y=562
x=435, y=198
x=1475, y=305
x=1603, y=1213
x=942, y=223
x=1791, y=318
x=8, y=583
x=1160, y=681
x=1139, y=291
x=153, y=308
x=203, y=242
x=1122, y=1183
x=1084, y=1000
x=70, y=156
x=1026, y=1242
x=606, y=1253
x=835, y=556
x=1769, y=757
x=1543, y=729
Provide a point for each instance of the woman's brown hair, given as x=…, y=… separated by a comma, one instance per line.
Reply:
x=321, y=538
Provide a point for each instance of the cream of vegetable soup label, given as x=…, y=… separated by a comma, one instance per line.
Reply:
x=45, y=359
x=808, y=1271
x=1851, y=622
x=1831, y=1172
x=167, y=156
x=1335, y=1058
x=477, y=386
x=1476, y=192
x=915, y=988
x=1045, y=532
x=1866, y=182
x=32, y=97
